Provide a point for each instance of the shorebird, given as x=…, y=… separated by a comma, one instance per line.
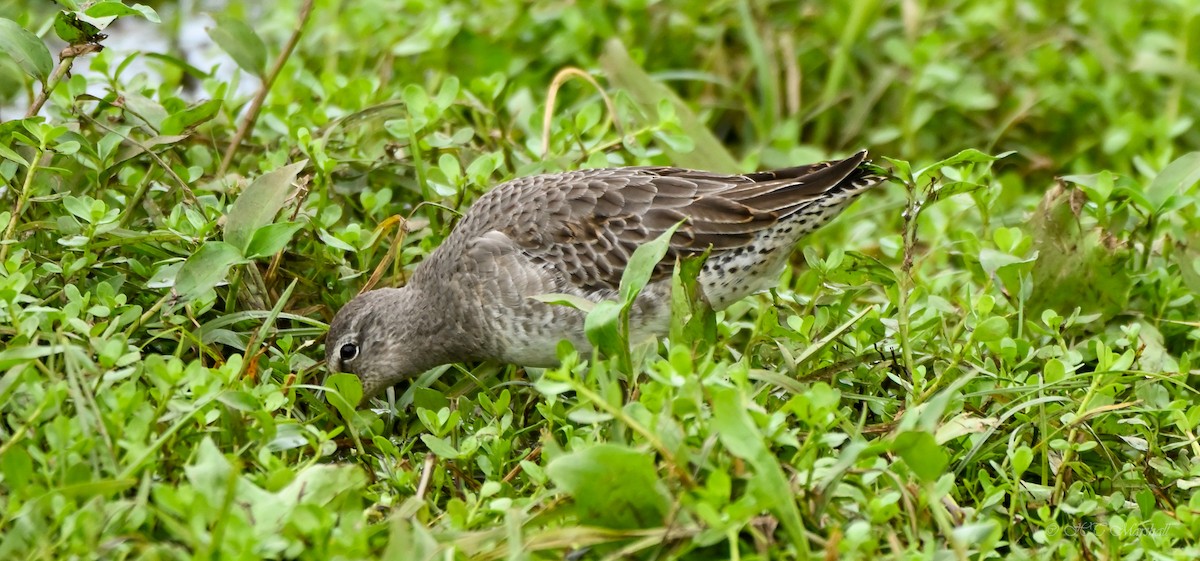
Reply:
x=572, y=233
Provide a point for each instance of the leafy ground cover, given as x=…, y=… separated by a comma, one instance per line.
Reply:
x=989, y=357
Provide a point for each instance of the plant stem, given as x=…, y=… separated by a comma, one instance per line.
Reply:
x=22, y=198
x=135, y=201
x=651, y=438
x=905, y=285
x=269, y=80
x=65, y=59
x=1069, y=454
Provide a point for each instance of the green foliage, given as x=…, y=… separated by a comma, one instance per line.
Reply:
x=26, y=49
x=612, y=486
x=991, y=356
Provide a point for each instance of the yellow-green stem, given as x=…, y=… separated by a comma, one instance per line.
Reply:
x=22, y=198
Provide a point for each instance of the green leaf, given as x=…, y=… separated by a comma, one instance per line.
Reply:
x=210, y=469
x=992, y=260
x=1021, y=458
x=946, y=190
x=902, y=169
x=569, y=300
x=692, y=319
x=73, y=30
x=258, y=204
x=80, y=207
x=613, y=486
x=115, y=8
x=205, y=269
x=242, y=43
x=177, y=123
x=239, y=400
x=968, y=156
x=922, y=454
x=346, y=394
x=602, y=326
x=440, y=447
x=1173, y=181
x=739, y=434
x=17, y=355
x=26, y=49
x=990, y=329
x=484, y=166
x=269, y=239
x=321, y=484
x=1098, y=186
x=642, y=263
x=9, y=154
x=1188, y=263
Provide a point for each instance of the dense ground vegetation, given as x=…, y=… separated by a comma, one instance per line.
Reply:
x=984, y=358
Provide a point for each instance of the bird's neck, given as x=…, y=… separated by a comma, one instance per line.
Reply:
x=438, y=328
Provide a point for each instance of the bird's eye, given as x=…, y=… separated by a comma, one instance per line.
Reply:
x=348, y=351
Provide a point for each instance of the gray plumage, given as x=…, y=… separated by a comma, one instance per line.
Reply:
x=573, y=233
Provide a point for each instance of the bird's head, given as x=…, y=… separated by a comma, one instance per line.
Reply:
x=374, y=338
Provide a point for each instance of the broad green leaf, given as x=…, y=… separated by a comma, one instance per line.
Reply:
x=613, y=486
x=177, y=123
x=692, y=318
x=26, y=49
x=946, y=190
x=242, y=43
x=642, y=263
x=347, y=392
x=992, y=260
x=1021, y=458
x=239, y=400
x=1188, y=263
x=484, y=166
x=1098, y=186
x=17, y=355
x=902, y=169
x=968, y=156
x=922, y=453
x=73, y=30
x=570, y=300
x=81, y=207
x=259, y=203
x=447, y=92
x=440, y=447
x=990, y=329
x=409, y=538
x=209, y=469
x=115, y=8
x=17, y=468
x=9, y=154
x=288, y=436
x=1173, y=181
x=321, y=484
x=677, y=141
x=205, y=269
x=602, y=326
x=739, y=434
x=269, y=239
